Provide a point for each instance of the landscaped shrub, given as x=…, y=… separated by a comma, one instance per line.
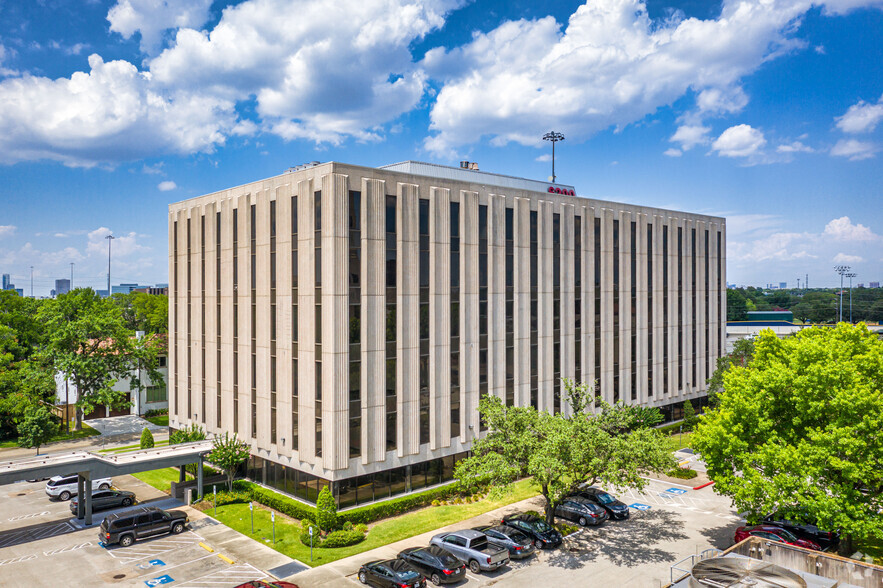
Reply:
x=565, y=528
x=347, y=526
x=222, y=498
x=361, y=528
x=305, y=534
x=326, y=510
x=156, y=412
x=682, y=473
x=342, y=538
x=146, y=439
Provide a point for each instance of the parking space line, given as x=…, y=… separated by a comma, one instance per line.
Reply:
x=4, y=562
x=237, y=574
x=29, y=516
x=66, y=549
x=186, y=563
x=26, y=535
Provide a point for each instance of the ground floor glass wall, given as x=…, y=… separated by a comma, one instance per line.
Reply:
x=358, y=490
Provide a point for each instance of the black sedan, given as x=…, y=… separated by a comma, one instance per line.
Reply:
x=581, y=511
x=434, y=562
x=543, y=535
x=518, y=544
x=390, y=573
x=615, y=509
x=107, y=499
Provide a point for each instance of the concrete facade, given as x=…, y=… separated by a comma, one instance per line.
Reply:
x=292, y=377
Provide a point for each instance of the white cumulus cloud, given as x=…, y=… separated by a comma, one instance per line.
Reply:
x=690, y=135
x=672, y=152
x=854, y=149
x=739, y=141
x=152, y=18
x=861, y=117
x=7, y=230
x=842, y=229
x=167, y=185
x=845, y=258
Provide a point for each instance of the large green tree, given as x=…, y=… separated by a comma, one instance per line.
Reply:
x=799, y=429
x=144, y=312
x=228, y=453
x=88, y=343
x=561, y=451
x=37, y=427
x=743, y=351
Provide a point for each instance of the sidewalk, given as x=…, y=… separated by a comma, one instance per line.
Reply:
x=93, y=443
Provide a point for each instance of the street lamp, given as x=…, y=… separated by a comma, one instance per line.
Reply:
x=842, y=270
x=109, y=241
x=850, y=276
x=554, y=138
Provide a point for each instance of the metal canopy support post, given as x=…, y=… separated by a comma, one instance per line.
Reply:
x=199, y=477
x=87, y=497
x=81, y=508
x=183, y=476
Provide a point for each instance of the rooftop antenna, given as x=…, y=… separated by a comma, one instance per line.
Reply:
x=554, y=138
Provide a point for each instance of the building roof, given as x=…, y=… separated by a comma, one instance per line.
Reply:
x=460, y=174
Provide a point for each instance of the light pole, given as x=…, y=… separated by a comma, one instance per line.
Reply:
x=850, y=276
x=842, y=270
x=71, y=287
x=32, y=281
x=554, y=138
x=109, y=241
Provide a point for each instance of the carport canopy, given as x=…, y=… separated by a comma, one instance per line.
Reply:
x=92, y=466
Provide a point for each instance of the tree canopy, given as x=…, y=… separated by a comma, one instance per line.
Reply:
x=561, y=451
x=798, y=429
x=228, y=453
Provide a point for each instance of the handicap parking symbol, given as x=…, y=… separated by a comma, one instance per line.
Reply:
x=165, y=579
x=639, y=506
x=676, y=491
x=150, y=564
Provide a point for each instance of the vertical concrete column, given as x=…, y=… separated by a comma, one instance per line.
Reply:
x=226, y=325
x=585, y=215
x=567, y=301
x=607, y=309
x=283, y=321
x=335, y=321
x=81, y=507
x=469, y=312
x=722, y=291
x=306, y=320
x=591, y=335
x=673, y=324
x=373, y=328
x=641, y=307
x=86, y=495
x=211, y=319
x=701, y=348
x=199, y=481
x=194, y=323
x=181, y=334
x=262, y=316
x=658, y=331
x=625, y=306
x=174, y=323
x=439, y=318
x=407, y=319
x=497, y=295
x=689, y=385
x=544, y=306
x=522, y=301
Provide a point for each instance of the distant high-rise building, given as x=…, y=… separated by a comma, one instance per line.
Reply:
x=7, y=282
x=19, y=291
x=62, y=286
x=873, y=284
x=783, y=285
x=124, y=288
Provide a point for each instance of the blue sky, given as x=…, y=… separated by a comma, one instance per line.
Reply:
x=767, y=112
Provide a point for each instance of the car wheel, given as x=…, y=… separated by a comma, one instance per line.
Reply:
x=126, y=540
x=127, y=502
x=436, y=579
x=177, y=528
x=363, y=578
x=474, y=567
x=582, y=521
x=537, y=543
x=64, y=495
x=104, y=486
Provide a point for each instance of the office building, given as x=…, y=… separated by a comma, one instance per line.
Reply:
x=7, y=282
x=62, y=286
x=345, y=320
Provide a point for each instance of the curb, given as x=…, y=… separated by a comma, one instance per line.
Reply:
x=701, y=486
x=226, y=559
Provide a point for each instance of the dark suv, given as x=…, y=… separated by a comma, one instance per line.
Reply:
x=125, y=528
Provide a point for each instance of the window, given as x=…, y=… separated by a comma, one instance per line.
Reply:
x=157, y=394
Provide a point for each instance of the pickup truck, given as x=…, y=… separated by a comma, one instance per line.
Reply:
x=473, y=549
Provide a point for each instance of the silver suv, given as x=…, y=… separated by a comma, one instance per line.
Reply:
x=63, y=487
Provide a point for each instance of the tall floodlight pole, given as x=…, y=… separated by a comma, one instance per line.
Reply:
x=109, y=241
x=32, y=281
x=842, y=270
x=850, y=276
x=71, y=287
x=554, y=138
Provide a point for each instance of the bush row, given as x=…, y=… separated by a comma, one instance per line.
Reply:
x=682, y=473
x=333, y=539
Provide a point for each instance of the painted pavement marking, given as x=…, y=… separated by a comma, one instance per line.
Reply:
x=26, y=535
x=66, y=549
x=228, y=576
x=4, y=562
x=152, y=548
x=30, y=516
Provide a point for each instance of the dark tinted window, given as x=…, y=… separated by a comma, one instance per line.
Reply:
x=478, y=543
x=494, y=534
x=157, y=516
x=454, y=540
x=121, y=523
x=449, y=561
x=142, y=519
x=102, y=494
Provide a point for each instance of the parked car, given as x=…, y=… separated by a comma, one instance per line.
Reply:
x=106, y=499
x=581, y=511
x=265, y=584
x=473, y=549
x=543, y=534
x=435, y=563
x=517, y=543
x=63, y=487
x=127, y=527
x=773, y=533
x=827, y=539
x=615, y=508
x=391, y=573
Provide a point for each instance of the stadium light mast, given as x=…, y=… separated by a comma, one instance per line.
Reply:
x=109, y=241
x=554, y=138
x=850, y=276
x=842, y=270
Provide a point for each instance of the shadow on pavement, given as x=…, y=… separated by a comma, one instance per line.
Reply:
x=36, y=532
x=630, y=543
x=721, y=536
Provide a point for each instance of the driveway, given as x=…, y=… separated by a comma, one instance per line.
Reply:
x=124, y=425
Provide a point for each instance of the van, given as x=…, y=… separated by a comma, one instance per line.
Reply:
x=127, y=527
x=63, y=487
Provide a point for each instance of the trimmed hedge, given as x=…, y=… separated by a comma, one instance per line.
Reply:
x=343, y=538
x=363, y=515
x=682, y=473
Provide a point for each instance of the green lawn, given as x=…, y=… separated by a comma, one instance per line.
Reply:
x=237, y=516
x=161, y=420
x=159, y=479
x=681, y=440
x=62, y=435
x=133, y=447
x=872, y=546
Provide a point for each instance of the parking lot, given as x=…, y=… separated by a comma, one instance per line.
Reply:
x=668, y=522
x=41, y=543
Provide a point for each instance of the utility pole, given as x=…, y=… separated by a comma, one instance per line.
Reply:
x=842, y=270
x=72, y=276
x=554, y=138
x=850, y=276
x=32, y=281
x=109, y=241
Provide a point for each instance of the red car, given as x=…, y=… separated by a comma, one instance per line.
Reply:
x=777, y=534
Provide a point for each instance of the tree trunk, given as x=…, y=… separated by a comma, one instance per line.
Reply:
x=846, y=547
x=38, y=450
x=78, y=426
x=549, y=509
x=229, y=481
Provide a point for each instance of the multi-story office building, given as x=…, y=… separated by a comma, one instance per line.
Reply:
x=345, y=320
x=62, y=286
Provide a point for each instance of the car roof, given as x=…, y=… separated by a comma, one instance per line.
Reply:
x=397, y=565
x=137, y=511
x=467, y=533
x=527, y=518
x=437, y=551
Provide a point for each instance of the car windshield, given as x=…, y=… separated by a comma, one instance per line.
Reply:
x=449, y=561
x=406, y=575
x=605, y=498
x=542, y=526
x=786, y=535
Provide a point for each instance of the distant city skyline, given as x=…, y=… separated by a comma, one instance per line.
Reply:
x=766, y=113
